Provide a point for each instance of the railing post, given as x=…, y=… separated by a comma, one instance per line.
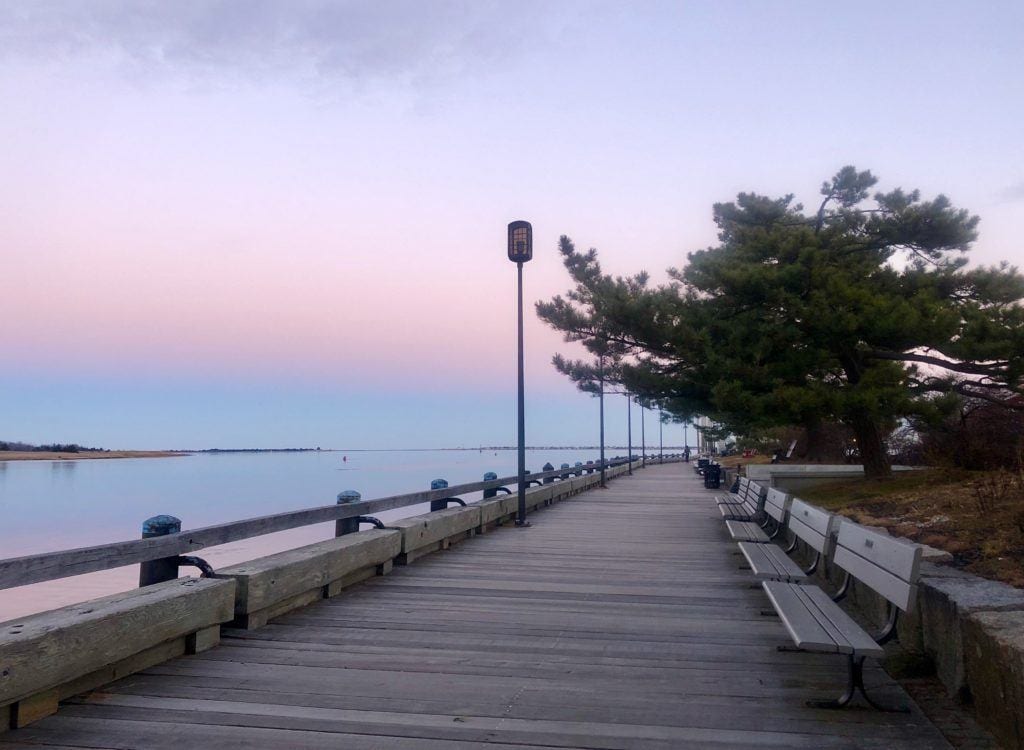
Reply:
x=548, y=467
x=439, y=484
x=565, y=474
x=347, y=525
x=166, y=568
x=490, y=477
x=579, y=468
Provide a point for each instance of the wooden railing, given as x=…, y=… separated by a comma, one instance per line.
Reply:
x=48, y=566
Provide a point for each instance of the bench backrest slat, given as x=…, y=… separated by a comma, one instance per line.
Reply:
x=753, y=499
x=889, y=566
x=812, y=525
x=776, y=504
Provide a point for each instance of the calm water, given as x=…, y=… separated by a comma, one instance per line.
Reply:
x=53, y=505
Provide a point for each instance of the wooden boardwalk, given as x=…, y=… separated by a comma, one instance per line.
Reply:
x=621, y=619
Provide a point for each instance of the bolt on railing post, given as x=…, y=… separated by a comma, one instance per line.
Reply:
x=548, y=467
x=438, y=484
x=166, y=568
x=347, y=525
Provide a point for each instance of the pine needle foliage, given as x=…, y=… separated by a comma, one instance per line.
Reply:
x=863, y=312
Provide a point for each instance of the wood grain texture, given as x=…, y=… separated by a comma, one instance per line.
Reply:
x=45, y=651
x=266, y=581
x=618, y=620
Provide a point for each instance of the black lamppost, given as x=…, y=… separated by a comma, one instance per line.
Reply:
x=600, y=398
x=629, y=424
x=629, y=431
x=643, y=435
x=520, y=250
x=661, y=435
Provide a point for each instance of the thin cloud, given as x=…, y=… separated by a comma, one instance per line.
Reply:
x=261, y=39
x=1012, y=194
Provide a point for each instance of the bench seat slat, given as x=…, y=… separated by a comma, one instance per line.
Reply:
x=861, y=641
x=747, y=531
x=816, y=623
x=767, y=561
x=732, y=511
x=807, y=633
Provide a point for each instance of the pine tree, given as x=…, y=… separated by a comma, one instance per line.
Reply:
x=859, y=312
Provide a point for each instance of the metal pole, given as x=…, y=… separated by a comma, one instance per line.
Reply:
x=629, y=433
x=643, y=438
x=661, y=435
x=521, y=515
x=600, y=378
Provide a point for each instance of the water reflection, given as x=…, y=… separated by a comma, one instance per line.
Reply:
x=82, y=503
x=62, y=468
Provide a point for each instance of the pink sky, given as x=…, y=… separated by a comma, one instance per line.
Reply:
x=318, y=196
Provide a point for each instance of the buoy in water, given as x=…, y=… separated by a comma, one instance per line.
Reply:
x=344, y=458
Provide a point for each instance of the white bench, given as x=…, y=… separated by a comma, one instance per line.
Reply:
x=746, y=505
x=728, y=497
x=771, y=562
x=816, y=623
x=741, y=518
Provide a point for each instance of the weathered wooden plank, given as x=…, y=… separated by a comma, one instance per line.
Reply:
x=618, y=620
x=427, y=532
x=267, y=581
x=45, y=651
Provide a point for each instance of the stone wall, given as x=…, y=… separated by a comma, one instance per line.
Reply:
x=967, y=629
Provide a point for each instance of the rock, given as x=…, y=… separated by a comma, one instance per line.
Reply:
x=994, y=653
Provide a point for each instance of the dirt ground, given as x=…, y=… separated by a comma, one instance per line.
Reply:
x=976, y=516
x=81, y=455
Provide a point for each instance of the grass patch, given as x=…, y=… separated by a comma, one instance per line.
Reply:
x=976, y=516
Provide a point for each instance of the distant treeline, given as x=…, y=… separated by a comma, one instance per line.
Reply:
x=48, y=448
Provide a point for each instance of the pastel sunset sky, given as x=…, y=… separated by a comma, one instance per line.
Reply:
x=261, y=224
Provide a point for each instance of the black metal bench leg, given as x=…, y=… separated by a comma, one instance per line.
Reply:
x=854, y=672
x=855, y=682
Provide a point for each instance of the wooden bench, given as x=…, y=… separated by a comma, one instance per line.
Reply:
x=733, y=497
x=746, y=505
x=744, y=519
x=813, y=526
x=816, y=623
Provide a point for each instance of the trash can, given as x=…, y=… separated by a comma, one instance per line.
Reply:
x=712, y=476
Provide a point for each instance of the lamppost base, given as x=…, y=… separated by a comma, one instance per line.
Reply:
x=522, y=524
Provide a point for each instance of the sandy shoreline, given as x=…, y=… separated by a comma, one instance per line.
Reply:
x=63, y=456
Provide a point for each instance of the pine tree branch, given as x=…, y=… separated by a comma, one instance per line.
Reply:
x=968, y=368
